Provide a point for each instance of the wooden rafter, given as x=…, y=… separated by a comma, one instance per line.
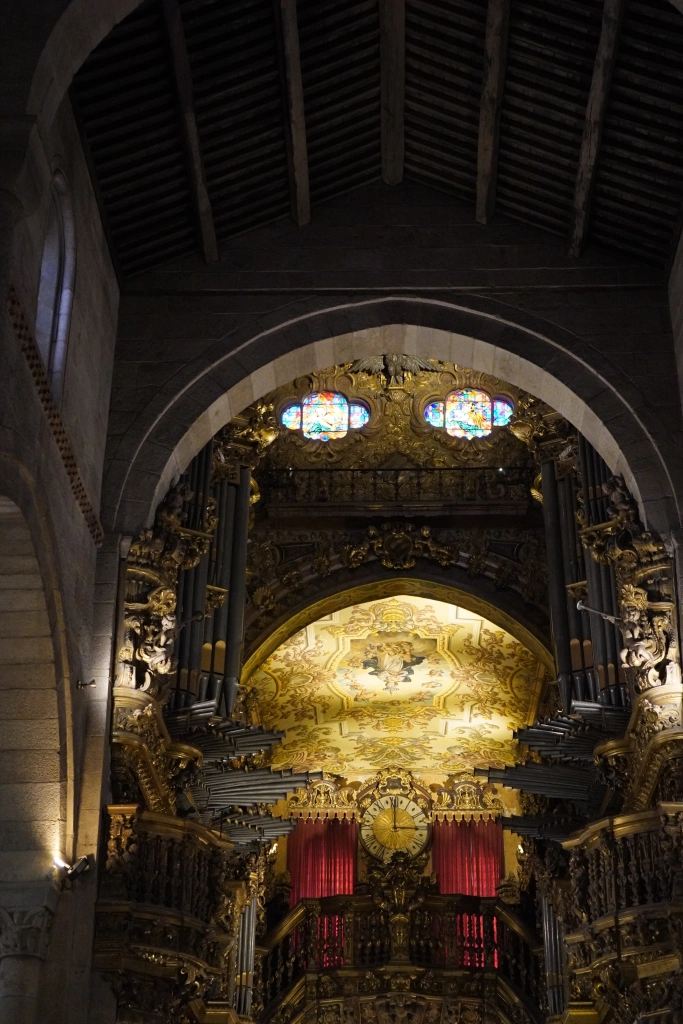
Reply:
x=392, y=29
x=183, y=79
x=497, y=21
x=295, y=122
x=594, y=124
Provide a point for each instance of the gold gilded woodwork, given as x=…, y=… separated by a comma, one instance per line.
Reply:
x=645, y=590
x=168, y=948
x=323, y=797
x=625, y=914
x=398, y=682
x=142, y=744
x=397, y=429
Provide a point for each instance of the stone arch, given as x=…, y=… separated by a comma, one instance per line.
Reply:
x=572, y=376
x=33, y=789
x=417, y=584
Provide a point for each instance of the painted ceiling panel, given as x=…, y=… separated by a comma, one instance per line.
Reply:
x=402, y=681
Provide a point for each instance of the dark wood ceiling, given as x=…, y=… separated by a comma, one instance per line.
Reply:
x=204, y=118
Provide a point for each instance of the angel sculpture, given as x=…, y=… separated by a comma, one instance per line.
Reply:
x=394, y=365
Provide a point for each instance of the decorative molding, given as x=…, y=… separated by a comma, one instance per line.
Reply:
x=323, y=798
x=39, y=375
x=457, y=800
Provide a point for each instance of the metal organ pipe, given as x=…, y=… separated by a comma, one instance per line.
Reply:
x=556, y=583
x=601, y=584
x=191, y=600
x=244, y=985
x=238, y=591
x=216, y=626
x=555, y=959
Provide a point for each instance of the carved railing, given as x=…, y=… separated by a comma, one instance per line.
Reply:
x=362, y=489
x=168, y=909
x=460, y=932
x=627, y=899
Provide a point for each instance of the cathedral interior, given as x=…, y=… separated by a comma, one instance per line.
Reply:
x=341, y=491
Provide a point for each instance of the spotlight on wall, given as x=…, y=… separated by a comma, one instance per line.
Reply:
x=73, y=870
x=80, y=685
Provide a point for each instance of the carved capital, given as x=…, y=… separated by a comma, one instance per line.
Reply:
x=25, y=932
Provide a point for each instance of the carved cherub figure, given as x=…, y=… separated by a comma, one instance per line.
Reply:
x=645, y=642
x=156, y=648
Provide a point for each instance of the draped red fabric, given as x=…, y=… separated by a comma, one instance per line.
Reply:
x=321, y=858
x=468, y=856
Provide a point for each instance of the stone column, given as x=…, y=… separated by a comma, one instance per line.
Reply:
x=24, y=936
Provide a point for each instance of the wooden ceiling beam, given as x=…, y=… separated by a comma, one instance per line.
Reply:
x=594, y=123
x=392, y=50
x=206, y=230
x=295, y=120
x=497, y=24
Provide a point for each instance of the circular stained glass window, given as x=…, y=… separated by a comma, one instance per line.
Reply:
x=358, y=415
x=502, y=412
x=291, y=417
x=434, y=414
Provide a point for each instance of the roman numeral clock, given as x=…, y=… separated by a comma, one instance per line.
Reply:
x=393, y=817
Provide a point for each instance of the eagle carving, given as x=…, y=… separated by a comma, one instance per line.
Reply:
x=394, y=365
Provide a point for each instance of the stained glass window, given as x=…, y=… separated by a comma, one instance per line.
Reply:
x=434, y=414
x=502, y=412
x=358, y=416
x=469, y=413
x=325, y=415
x=291, y=417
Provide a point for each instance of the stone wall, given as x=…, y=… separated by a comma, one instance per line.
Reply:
x=189, y=333
x=51, y=457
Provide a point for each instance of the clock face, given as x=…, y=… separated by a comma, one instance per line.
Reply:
x=394, y=823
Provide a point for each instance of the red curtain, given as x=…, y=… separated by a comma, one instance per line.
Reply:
x=321, y=858
x=467, y=856
x=468, y=859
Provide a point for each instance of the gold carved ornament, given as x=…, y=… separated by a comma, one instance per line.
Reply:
x=396, y=390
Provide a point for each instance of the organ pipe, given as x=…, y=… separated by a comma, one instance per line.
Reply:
x=556, y=583
x=601, y=585
x=234, y=636
x=244, y=982
x=555, y=959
